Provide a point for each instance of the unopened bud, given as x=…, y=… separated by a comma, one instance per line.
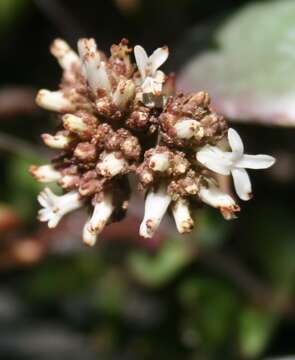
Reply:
x=54, y=101
x=58, y=141
x=45, y=173
x=181, y=214
x=159, y=162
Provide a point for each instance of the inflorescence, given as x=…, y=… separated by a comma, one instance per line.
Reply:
x=119, y=117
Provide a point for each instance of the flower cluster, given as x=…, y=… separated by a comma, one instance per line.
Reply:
x=119, y=118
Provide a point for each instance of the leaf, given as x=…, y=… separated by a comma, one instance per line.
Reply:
x=255, y=331
x=23, y=189
x=10, y=10
x=211, y=229
x=251, y=74
x=274, y=246
x=157, y=270
x=213, y=307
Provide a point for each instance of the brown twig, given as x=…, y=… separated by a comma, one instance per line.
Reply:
x=258, y=292
x=17, y=100
x=11, y=144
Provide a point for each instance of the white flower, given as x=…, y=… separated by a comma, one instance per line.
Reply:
x=156, y=204
x=55, y=207
x=148, y=66
x=234, y=163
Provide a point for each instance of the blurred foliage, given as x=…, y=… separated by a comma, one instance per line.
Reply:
x=10, y=10
x=250, y=69
x=160, y=268
x=21, y=184
x=224, y=292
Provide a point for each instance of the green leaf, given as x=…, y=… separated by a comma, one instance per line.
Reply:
x=10, y=10
x=160, y=268
x=251, y=74
x=23, y=189
x=274, y=246
x=213, y=306
x=211, y=229
x=255, y=331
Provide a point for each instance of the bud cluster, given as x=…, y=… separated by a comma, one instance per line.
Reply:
x=119, y=117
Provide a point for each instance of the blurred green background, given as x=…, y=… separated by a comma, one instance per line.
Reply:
x=227, y=291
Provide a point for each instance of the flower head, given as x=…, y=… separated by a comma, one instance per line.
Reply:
x=118, y=118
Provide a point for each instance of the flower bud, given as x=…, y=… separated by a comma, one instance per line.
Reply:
x=54, y=101
x=58, y=141
x=111, y=164
x=156, y=204
x=45, y=173
x=181, y=214
x=66, y=57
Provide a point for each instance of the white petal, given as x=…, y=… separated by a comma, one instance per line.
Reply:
x=235, y=142
x=213, y=196
x=255, y=161
x=141, y=60
x=156, y=204
x=158, y=57
x=242, y=183
x=215, y=159
x=181, y=214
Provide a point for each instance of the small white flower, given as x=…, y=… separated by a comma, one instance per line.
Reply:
x=156, y=204
x=234, y=163
x=55, y=207
x=148, y=66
